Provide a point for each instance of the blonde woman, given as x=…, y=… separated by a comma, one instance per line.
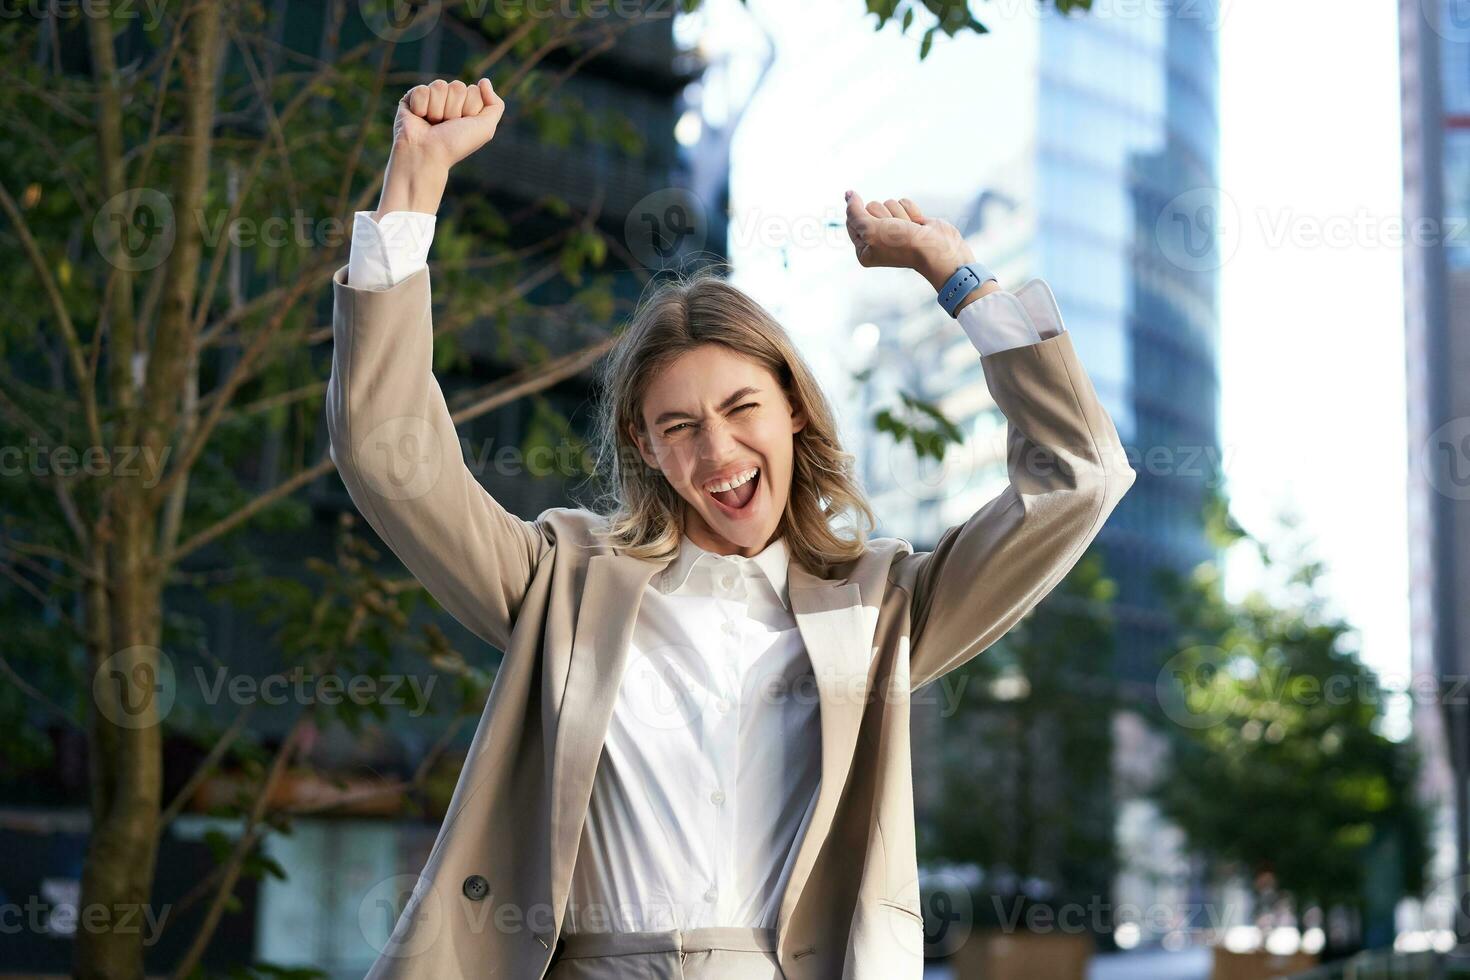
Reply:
x=694, y=760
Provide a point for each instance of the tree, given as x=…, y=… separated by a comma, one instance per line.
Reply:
x=1280, y=768
x=1027, y=764
x=176, y=196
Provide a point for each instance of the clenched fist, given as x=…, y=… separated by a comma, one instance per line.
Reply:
x=438, y=125
x=447, y=121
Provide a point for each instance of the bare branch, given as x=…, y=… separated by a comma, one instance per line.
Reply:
x=238, y=853
x=206, y=765
x=61, y=484
x=524, y=382
x=121, y=322
x=173, y=341
x=35, y=695
x=58, y=309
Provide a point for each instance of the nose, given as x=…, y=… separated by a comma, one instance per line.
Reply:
x=716, y=440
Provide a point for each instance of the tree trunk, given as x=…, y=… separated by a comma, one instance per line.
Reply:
x=126, y=763
x=131, y=677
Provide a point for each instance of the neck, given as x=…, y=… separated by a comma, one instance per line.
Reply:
x=700, y=533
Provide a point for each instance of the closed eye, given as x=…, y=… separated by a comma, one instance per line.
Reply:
x=738, y=408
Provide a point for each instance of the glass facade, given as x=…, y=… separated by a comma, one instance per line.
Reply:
x=1127, y=161
x=1111, y=194
x=1434, y=43
x=1454, y=46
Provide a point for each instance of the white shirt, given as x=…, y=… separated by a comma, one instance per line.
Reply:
x=712, y=759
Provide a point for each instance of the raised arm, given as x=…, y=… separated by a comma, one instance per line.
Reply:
x=391, y=434
x=1066, y=463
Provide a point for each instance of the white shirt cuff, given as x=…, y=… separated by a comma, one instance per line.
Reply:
x=384, y=253
x=1001, y=320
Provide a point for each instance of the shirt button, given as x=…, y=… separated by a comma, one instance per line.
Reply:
x=723, y=705
x=710, y=894
x=727, y=581
x=717, y=797
x=728, y=627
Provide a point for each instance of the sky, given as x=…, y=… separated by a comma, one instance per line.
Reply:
x=1313, y=414
x=1312, y=359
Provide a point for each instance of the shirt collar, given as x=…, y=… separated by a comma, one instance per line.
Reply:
x=772, y=561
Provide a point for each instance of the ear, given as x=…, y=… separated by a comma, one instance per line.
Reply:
x=636, y=434
x=798, y=419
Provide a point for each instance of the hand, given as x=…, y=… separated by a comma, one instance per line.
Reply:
x=437, y=126
x=445, y=122
x=896, y=234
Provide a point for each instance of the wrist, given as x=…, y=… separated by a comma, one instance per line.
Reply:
x=984, y=289
x=414, y=182
x=938, y=268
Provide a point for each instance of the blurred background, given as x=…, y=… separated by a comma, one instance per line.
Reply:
x=1231, y=744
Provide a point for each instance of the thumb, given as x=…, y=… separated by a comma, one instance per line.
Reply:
x=492, y=105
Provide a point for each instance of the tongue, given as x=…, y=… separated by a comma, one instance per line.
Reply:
x=741, y=495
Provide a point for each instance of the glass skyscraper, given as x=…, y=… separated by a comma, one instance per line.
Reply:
x=1127, y=236
x=1435, y=67
x=1104, y=181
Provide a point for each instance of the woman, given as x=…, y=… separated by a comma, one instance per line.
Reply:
x=694, y=760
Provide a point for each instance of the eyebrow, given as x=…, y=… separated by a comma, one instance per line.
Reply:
x=731, y=400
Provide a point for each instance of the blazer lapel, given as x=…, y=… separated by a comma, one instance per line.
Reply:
x=829, y=615
x=611, y=595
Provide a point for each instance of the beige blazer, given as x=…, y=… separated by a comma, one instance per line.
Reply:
x=490, y=899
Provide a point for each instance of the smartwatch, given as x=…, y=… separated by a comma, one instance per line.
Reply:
x=959, y=285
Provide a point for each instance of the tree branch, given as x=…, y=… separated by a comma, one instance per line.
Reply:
x=58, y=309
x=524, y=382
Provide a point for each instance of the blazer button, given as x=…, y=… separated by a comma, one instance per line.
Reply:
x=476, y=888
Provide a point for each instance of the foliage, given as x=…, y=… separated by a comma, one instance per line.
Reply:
x=948, y=16
x=1026, y=758
x=177, y=187
x=1281, y=769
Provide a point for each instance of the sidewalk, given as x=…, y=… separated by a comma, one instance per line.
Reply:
x=1189, y=964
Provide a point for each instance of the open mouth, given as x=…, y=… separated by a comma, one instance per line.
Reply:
x=738, y=498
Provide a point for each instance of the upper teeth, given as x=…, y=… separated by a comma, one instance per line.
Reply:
x=734, y=482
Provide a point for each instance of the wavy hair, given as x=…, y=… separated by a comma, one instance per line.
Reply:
x=645, y=514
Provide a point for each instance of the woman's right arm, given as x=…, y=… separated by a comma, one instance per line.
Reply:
x=391, y=434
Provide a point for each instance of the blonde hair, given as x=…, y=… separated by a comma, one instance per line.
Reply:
x=644, y=512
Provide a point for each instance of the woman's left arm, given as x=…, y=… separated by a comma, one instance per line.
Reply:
x=1066, y=464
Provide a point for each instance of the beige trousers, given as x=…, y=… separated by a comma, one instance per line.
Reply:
x=708, y=953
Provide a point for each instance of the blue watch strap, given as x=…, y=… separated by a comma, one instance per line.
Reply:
x=959, y=285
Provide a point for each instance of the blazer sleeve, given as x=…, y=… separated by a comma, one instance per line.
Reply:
x=399, y=456
x=1067, y=472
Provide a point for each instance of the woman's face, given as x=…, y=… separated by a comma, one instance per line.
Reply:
x=710, y=418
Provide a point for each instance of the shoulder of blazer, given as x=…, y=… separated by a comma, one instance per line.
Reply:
x=880, y=552
x=571, y=528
